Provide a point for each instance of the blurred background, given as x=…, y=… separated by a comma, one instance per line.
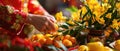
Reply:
x=53, y=6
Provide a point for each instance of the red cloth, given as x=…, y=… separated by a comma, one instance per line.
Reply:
x=17, y=4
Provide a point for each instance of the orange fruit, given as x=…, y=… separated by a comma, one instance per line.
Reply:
x=56, y=44
x=67, y=42
x=62, y=37
x=42, y=41
x=73, y=40
x=67, y=37
x=36, y=37
x=49, y=41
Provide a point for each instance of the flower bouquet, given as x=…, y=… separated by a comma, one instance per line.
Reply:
x=96, y=15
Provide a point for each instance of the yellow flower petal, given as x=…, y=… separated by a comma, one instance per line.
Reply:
x=109, y=15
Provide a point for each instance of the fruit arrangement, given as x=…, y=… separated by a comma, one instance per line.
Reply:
x=98, y=46
x=94, y=46
x=49, y=39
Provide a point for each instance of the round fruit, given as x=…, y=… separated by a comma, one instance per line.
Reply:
x=42, y=41
x=67, y=42
x=49, y=41
x=67, y=37
x=107, y=49
x=48, y=36
x=73, y=40
x=117, y=45
x=40, y=35
x=95, y=46
x=83, y=48
x=37, y=37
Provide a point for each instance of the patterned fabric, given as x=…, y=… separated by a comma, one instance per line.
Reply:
x=12, y=16
x=11, y=20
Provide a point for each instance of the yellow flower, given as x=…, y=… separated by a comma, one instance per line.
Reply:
x=115, y=24
x=79, y=11
x=100, y=20
x=97, y=7
x=59, y=17
x=118, y=5
x=97, y=13
x=108, y=15
x=91, y=7
x=119, y=24
x=98, y=10
x=92, y=2
x=75, y=16
x=97, y=18
x=103, y=10
x=106, y=5
x=71, y=22
x=84, y=10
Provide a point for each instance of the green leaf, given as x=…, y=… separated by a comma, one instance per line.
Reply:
x=65, y=26
x=60, y=30
x=66, y=32
x=72, y=32
x=72, y=9
x=90, y=22
x=90, y=13
x=81, y=14
x=114, y=15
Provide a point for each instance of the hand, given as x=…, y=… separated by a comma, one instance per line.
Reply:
x=42, y=23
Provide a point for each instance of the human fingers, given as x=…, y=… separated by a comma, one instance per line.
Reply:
x=52, y=18
x=51, y=26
